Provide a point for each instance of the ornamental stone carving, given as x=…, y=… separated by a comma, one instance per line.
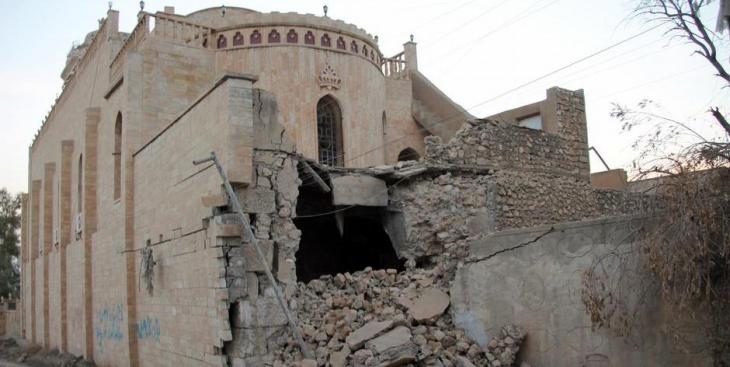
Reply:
x=328, y=78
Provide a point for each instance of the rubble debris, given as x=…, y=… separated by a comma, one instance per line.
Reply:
x=383, y=318
x=431, y=304
x=357, y=338
x=503, y=348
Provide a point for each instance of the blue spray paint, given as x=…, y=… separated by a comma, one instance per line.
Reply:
x=149, y=328
x=109, y=325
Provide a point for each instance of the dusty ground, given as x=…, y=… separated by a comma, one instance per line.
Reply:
x=12, y=354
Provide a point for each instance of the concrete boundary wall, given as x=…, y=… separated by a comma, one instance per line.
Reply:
x=532, y=278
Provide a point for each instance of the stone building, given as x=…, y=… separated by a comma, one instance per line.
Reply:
x=343, y=159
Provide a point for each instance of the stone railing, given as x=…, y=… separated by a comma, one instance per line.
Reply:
x=293, y=34
x=176, y=29
x=395, y=67
x=162, y=26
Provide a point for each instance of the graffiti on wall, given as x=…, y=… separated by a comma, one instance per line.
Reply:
x=149, y=329
x=109, y=326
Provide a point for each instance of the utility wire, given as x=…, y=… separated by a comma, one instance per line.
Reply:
x=489, y=10
x=512, y=90
x=430, y=21
x=576, y=62
x=527, y=13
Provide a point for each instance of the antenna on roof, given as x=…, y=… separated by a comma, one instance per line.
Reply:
x=223, y=10
x=110, y=5
x=325, y=10
x=141, y=5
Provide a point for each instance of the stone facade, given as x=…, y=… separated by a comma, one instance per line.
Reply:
x=131, y=254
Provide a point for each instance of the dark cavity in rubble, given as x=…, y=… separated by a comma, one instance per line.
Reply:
x=328, y=248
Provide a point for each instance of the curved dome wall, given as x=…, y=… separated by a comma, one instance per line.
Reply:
x=302, y=58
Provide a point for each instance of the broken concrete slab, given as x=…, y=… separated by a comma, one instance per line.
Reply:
x=429, y=305
x=397, y=337
x=397, y=356
x=359, y=190
x=357, y=338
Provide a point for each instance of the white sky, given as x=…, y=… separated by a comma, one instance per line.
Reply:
x=472, y=49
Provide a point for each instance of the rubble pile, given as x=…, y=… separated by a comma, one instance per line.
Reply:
x=502, y=349
x=382, y=318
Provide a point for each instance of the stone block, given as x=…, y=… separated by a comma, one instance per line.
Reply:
x=359, y=190
x=397, y=337
x=220, y=230
x=262, y=312
x=210, y=201
x=252, y=262
x=252, y=286
x=287, y=272
x=429, y=305
x=357, y=338
x=258, y=200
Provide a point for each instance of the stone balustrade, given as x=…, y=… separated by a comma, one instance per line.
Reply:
x=395, y=67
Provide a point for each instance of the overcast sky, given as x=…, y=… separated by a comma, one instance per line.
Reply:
x=474, y=50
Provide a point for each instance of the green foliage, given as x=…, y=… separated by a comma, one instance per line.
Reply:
x=9, y=227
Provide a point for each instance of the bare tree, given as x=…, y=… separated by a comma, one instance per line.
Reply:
x=684, y=250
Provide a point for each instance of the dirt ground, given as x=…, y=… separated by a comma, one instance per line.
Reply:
x=13, y=354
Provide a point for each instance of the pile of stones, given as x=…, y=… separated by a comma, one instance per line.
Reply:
x=383, y=318
x=502, y=349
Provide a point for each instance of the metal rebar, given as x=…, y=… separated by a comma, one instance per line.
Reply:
x=252, y=240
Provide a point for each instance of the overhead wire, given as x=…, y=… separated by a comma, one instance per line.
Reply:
x=500, y=95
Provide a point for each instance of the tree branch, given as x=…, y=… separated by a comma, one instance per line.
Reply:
x=720, y=119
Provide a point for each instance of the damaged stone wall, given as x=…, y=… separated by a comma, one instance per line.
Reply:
x=258, y=324
x=437, y=210
x=541, y=198
x=560, y=149
x=533, y=277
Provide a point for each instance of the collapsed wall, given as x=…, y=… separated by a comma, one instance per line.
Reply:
x=257, y=322
x=492, y=176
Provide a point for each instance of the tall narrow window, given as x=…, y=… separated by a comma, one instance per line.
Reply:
x=329, y=132
x=80, y=185
x=118, y=157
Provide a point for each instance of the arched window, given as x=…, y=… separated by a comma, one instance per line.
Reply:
x=80, y=185
x=238, y=39
x=255, y=38
x=325, y=41
x=274, y=36
x=292, y=36
x=222, y=41
x=309, y=38
x=329, y=131
x=408, y=154
x=118, y=157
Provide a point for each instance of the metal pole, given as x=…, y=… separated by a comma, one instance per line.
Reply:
x=252, y=239
x=599, y=157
